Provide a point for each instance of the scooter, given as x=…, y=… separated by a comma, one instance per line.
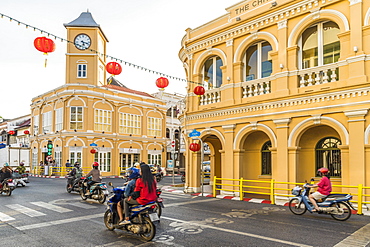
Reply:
x=7, y=186
x=337, y=205
x=74, y=184
x=18, y=179
x=98, y=191
x=141, y=217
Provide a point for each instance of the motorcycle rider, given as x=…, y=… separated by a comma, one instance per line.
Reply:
x=5, y=172
x=76, y=173
x=134, y=174
x=145, y=191
x=95, y=173
x=324, y=188
x=21, y=169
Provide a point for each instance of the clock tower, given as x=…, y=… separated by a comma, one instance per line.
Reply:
x=85, y=57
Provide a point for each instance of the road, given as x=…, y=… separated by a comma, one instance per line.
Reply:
x=44, y=214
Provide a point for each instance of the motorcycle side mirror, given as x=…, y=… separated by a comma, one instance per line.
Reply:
x=110, y=184
x=312, y=179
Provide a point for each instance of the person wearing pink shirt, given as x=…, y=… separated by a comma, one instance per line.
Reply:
x=324, y=188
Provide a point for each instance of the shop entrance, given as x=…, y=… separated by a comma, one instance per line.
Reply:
x=128, y=160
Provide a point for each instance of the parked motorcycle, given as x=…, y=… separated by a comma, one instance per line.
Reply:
x=142, y=216
x=337, y=205
x=98, y=191
x=76, y=184
x=7, y=186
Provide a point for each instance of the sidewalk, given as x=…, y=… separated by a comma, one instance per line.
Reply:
x=179, y=189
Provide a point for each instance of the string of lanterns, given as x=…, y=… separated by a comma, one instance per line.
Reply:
x=97, y=52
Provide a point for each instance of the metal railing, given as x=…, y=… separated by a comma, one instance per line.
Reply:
x=269, y=188
x=56, y=170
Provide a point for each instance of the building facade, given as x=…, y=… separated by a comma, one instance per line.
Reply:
x=90, y=118
x=287, y=91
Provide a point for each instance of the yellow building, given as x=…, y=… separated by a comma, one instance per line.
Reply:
x=286, y=91
x=124, y=126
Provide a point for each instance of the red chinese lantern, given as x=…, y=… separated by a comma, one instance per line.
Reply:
x=44, y=45
x=11, y=132
x=26, y=132
x=162, y=82
x=199, y=90
x=195, y=147
x=113, y=68
x=93, y=151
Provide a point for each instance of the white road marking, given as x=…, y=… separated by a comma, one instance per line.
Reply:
x=358, y=238
x=4, y=217
x=240, y=233
x=82, y=205
x=24, y=210
x=51, y=207
x=58, y=222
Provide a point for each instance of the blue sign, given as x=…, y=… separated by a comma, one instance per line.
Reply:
x=93, y=145
x=194, y=133
x=2, y=145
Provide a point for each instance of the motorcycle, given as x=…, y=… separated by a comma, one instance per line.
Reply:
x=183, y=177
x=159, y=203
x=7, y=186
x=337, y=205
x=98, y=191
x=76, y=184
x=158, y=176
x=141, y=216
x=18, y=179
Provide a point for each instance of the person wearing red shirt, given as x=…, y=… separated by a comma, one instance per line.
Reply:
x=324, y=188
x=145, y=190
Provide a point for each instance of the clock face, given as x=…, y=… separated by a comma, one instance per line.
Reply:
x=82, y=41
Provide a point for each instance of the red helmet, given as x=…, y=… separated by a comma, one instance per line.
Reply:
x=95, y=164
x=323, y=170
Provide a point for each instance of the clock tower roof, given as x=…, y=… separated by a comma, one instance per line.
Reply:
x=85, y=20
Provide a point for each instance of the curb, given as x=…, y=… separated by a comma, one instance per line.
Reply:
x=253, y=200
x=43, y=176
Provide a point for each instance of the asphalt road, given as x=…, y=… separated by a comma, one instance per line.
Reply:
x=186, y=221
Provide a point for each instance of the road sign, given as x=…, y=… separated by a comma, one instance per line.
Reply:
x=194, y=133
x=2, y=145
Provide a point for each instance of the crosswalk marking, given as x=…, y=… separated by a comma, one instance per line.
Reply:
x=51, y=207
x=24, y=210
x=4, y=217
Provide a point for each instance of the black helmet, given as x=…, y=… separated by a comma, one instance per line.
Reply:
x=77, y=164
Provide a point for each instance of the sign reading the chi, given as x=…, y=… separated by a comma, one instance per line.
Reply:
x=250, y=6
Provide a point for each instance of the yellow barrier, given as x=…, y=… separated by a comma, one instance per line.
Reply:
x=57, y=171
x=271, y=189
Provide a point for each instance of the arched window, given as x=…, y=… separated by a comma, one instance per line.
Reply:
x=328, y=155
x=167, y=133
x=212, y=73
x=257, y=61
x=319, y=45
x=266, y=159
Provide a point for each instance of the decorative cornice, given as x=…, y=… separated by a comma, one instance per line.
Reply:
x=282, y=24
x=352, y=2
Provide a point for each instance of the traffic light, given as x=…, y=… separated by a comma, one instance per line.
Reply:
x=50, y=148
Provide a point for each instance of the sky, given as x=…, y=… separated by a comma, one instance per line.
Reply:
x=147, y=33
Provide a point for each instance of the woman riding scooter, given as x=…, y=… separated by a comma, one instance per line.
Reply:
x=95, y=173
x=324, y=188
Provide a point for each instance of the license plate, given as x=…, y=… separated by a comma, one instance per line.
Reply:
x=153, y=217
x=10, y=184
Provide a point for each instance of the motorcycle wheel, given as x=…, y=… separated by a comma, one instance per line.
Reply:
x=102, y=197
x=297, y=207
x=158, y=209
x=183, y=179
x=346, y=211
x=150, y=229
x=108, y=220
x=82, y=194
x=68, y=189
x=8, y=192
